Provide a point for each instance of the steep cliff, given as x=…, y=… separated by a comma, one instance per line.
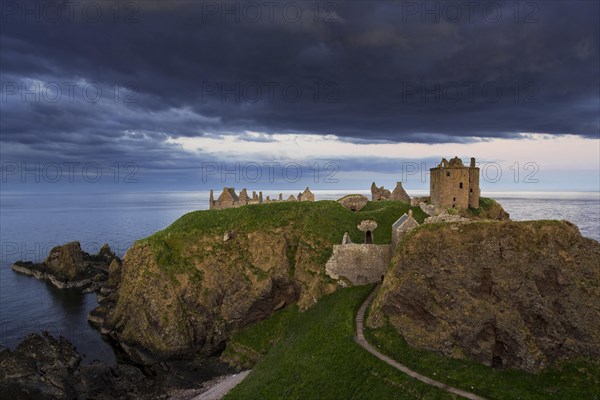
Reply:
x=511, y=294
x=184, y=289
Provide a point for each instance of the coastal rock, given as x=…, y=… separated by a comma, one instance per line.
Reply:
x=508, y=294
x=432, y=209
x=114, y=272
x=43, y=367
x=157, y=318
x=488, y=209
x=68, y=266
x=445, y=218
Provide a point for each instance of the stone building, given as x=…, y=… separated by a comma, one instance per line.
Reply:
x=359, y=263
x=453, y=185
x=307, y=195
x=229, y=199
x=401, y=227
x=381, y=193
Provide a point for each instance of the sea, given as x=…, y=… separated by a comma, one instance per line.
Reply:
x=31, y=224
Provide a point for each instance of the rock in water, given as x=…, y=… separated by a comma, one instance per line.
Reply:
x=511, y=294
x=46, y=368
x=66, y=261
x=68, y=266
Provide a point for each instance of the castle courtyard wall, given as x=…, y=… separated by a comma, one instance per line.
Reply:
x=359, y=263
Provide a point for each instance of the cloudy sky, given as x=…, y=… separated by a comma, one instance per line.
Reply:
x=183, y=95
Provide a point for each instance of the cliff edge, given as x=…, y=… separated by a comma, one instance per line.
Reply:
x=507, y=294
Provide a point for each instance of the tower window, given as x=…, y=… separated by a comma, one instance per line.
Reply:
x=471, y=190
x=454, y=199
x=448, y=173
x=461, y=186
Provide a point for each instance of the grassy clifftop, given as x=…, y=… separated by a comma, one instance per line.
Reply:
x=185, y=288
x=322, y=222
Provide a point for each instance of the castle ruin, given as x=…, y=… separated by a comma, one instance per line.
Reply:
x=229, y=199
x=381, y=193
x=452, y=185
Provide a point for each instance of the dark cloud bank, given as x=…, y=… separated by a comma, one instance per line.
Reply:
x=390, y=70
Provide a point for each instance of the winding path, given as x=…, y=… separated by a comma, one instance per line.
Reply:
x=219, y=391
x=360, y=339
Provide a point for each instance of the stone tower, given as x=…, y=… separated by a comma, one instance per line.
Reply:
x=453, y=185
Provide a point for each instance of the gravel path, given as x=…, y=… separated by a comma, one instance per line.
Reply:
x=360, y=339
x=219, y=391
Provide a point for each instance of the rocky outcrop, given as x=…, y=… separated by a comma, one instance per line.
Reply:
x=46, y=368
x=508, y=294
x=445, y=218
x=488, y=209
x=68, y=266
x=354, y=202
x=155, y=315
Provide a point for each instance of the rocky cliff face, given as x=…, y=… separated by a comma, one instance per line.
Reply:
x=235, y=282
x=45, y=368
x=507, y=294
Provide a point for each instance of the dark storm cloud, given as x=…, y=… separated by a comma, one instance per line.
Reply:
x=366, y=71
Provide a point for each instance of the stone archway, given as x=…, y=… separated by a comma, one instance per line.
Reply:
x=368, y=227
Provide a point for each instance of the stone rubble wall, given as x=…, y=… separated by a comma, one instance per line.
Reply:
x=359, y=263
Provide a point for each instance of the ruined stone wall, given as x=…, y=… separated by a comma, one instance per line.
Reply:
x=474, y=191
x=359, y=263
x=220, y=205
x=229, y=199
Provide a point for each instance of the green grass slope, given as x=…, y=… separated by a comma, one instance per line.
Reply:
x=573, y=380
x=312, y=355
